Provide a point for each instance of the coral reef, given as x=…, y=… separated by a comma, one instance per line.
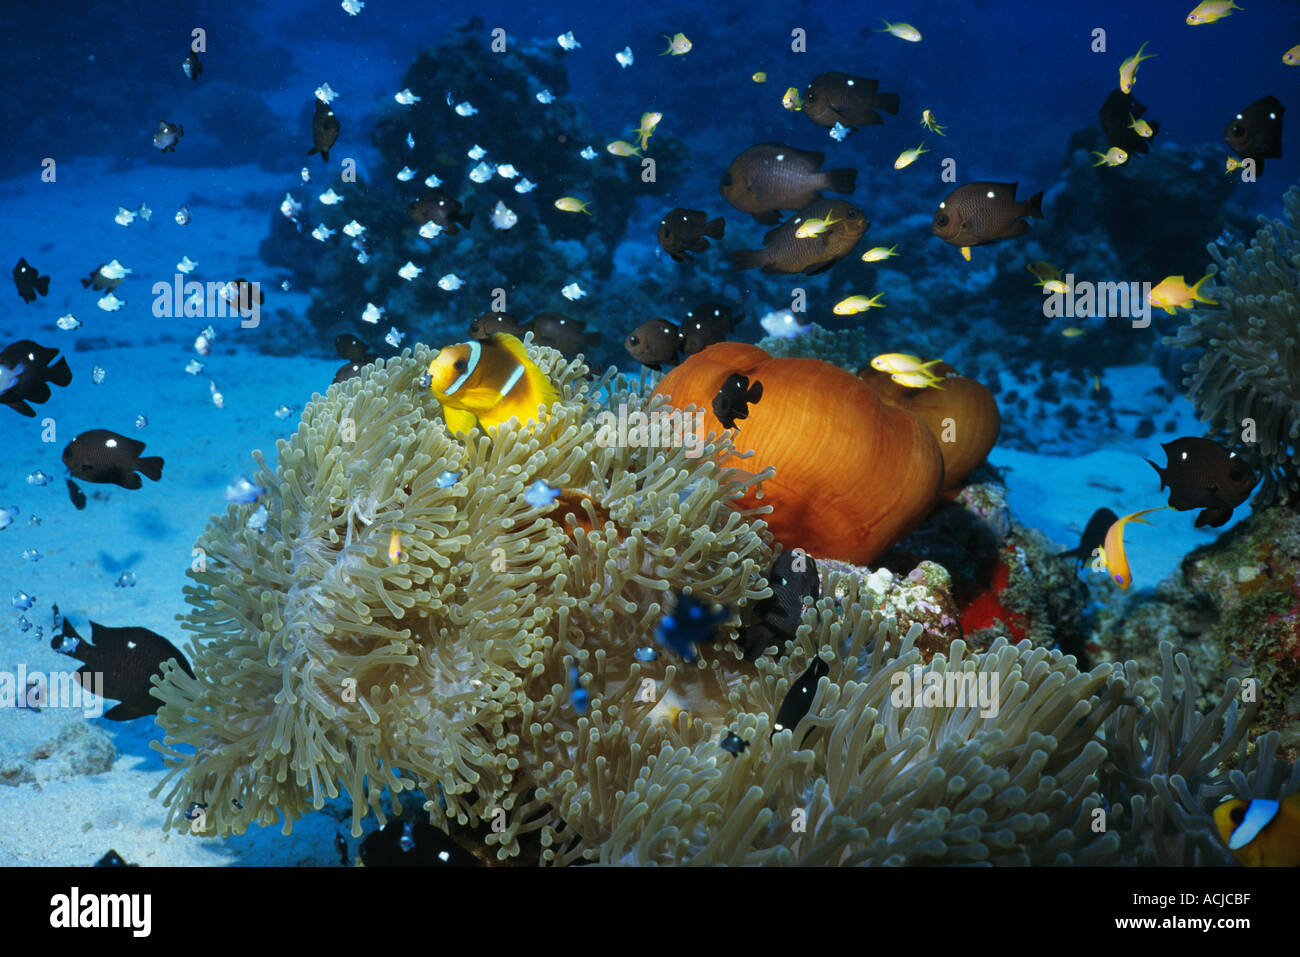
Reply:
x=1246, y=382
x=543, y=142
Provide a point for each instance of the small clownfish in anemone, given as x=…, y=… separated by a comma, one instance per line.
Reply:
x=395, y=551
x=488, y=382
x=1112, y=551
x=1261, y=833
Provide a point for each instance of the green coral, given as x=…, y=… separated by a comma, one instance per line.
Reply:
x=1248, y=376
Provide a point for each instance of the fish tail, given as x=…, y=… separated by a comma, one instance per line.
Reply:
x=152, y=466
x=325, y=155
x=1034, y=205
x=842, y=180
x=43, y=285
x=887, y=102
x=463, y=218
x=925, y=365
x=1196, y=290
x=887, y=26
x=715, y=228
x=748, y=259
x=59, y=373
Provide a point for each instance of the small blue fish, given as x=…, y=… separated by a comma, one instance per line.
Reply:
x=838, y=132
x=733, y=743
x=541, y=495
x=242, y=491
x=579, y=696
x=7, y=515
x=646, y=654
x=447, y=479
x=22, y=601
x=692, y=623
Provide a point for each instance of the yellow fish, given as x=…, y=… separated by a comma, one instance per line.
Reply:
x=900, y=363
x=856, y=304
x=623, y=148
x=965, y=253
x=792, y=100
x=1173, y=291
x=488, y=382
x=571, y=204
x=395, y=553
x=1140, y=127
x=814, y=227
x=1072, y=332
x=1292, y=56
x=1129, y=68
x=904, y=31
x=759, y=77
x=648, y=123
x=908, y=157
x=677, y=44
x=931, y=124
x=1210, y=11
x=1054, y=285
x=1096, y=383
x=1113, y=548
x=1043, y=270
x=1261, y=833
x=878, y=254
x=1112, y=157
x=917, y=380
x=1232, y=164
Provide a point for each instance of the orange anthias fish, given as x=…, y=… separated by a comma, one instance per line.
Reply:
x=1173, y=291
x=487, y=382
x=1261, y=833
x=1112, y=551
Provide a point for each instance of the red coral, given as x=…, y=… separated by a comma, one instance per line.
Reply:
x=986, y=608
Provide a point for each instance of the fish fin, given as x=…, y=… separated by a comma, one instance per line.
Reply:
x=770, y=218
x=1160, y=472
x=151, y=466
x=842, y=180
x=126, y=712
x=1213, y=517
x=76, y=495
x=715, y=228
x=131, y=481
x=43, y=285
x=746, y=259
x=887, y=102
x=180, y=129
x=1196, y=290
x=22, y=408
x=325, y=155
x=458, y=420
x=1035, y=205
x=59, y=373
x=755, y=392
x=463, y=218
x=818, y=268
x=1155, y=128
x=313, y=151
x=85, y=283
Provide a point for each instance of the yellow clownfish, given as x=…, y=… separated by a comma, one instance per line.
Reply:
x=488, y=382
x=1261, y=833
x=395, y=552
x=1112, y=550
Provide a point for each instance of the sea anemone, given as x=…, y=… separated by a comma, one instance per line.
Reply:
x=853, y=476
x=1246, y=382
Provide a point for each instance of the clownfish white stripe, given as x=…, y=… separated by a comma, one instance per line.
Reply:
x=475, y=351
x=1258, y=813
x=513, y=380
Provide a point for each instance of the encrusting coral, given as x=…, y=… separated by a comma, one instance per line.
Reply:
x=1247, y=380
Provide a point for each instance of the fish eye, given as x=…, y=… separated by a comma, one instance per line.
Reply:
x=942, y=219
x=461, y=365
x=1238, y=129
x=633, y=341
